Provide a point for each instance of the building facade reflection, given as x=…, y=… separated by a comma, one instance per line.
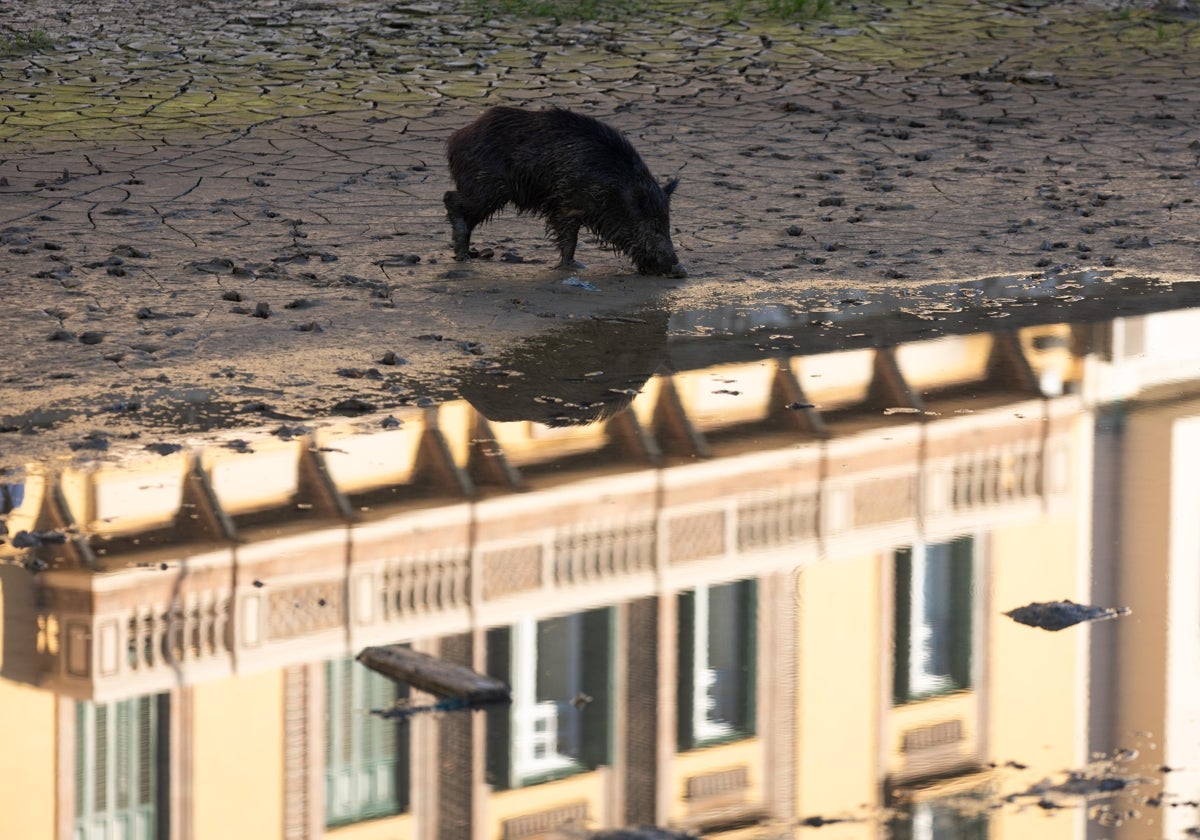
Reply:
x=764, y=601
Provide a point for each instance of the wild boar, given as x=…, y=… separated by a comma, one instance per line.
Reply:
x=572, y=170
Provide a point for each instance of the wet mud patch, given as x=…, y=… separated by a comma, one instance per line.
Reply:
x=521, y=341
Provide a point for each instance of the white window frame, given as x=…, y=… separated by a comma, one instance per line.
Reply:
x=536, y=724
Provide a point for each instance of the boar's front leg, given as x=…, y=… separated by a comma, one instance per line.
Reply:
x=564, y=230
x=457, y=212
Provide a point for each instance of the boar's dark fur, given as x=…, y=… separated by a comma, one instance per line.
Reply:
x=572, y=170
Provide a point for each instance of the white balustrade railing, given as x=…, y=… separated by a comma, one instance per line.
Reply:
x=95, y=638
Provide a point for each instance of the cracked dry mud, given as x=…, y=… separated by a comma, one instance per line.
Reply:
x=218, y=211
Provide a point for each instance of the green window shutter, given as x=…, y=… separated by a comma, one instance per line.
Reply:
x=120, y=749
x=902, y=626
x=748, y=603
x=101, y=785
x=84, y=761
x=962, y=552
x=686, y=669
x=335, y=759
x=124, y=741
x=366, y=756
x=145, y=766
x=900, y=828
x=499, y=717
x=597, y=682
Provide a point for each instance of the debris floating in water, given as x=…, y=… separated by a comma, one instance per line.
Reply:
x=586, y=285
x=1058, y=615
x=457, y=685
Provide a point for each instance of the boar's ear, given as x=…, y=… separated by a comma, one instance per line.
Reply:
x=670, y=186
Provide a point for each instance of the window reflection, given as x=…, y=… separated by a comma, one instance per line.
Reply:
x=366, y=756
x=934, y=614
x=716, y=663
x=937, y=820
x=560, y=673
x=119, y=759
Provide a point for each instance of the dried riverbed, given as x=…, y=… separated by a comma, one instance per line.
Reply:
x=213, y=216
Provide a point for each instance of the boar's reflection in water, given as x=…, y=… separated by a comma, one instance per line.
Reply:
x=572, y=170
x=581, y=374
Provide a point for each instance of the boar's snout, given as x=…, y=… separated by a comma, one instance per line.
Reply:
x=666, y=268
x=662, y=261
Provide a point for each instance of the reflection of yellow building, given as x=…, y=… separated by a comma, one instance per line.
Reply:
x=1155, y=658
x=731, y=615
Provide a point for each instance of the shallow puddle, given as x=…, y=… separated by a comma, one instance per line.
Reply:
x=746, y=568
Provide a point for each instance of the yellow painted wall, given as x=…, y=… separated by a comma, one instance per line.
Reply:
x=23, y=517
x=504, y=805
x=265, y=478
x=944, y=361
x=1033, y=674
x=238, y=769
x=358, y=461
x=723, y=395
x=838, y=692
x=960, y=706
x=27, y=761
x=389, y=828
x=747, y=752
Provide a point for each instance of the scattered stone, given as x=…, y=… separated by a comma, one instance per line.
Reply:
x=130, y=252
x=92, y=441
x=359, y=373
x=353, y=407
x=399, y=260
x=217, y=265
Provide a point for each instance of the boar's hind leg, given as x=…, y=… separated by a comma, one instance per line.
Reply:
x=564, y=230
x=457, y=212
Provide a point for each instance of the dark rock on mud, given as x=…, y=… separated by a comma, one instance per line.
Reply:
x=353, y=407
